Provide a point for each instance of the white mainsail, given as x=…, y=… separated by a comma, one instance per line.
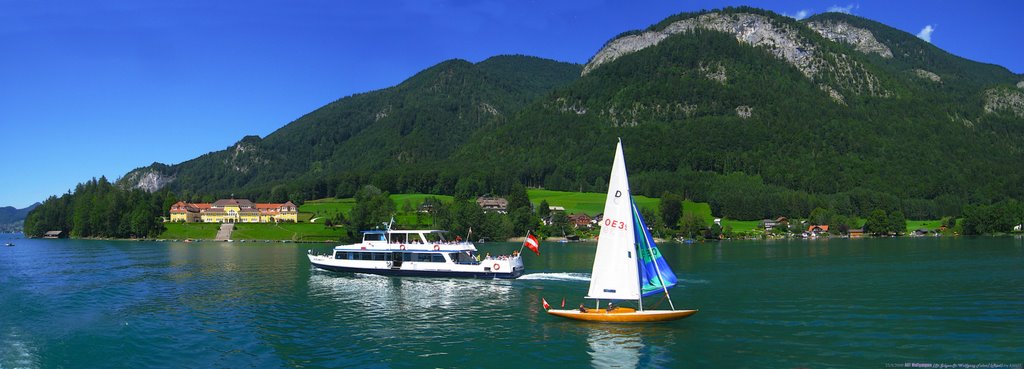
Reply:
x=615, y=275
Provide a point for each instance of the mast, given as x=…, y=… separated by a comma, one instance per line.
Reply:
x=657, y=270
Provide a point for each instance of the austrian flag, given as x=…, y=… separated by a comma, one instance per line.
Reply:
x=532, y=243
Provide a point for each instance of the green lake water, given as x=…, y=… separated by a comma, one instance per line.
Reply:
x=869, y=303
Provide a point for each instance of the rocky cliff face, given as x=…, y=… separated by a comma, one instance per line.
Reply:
x=781, y=40
x=751, y=29
x=928, y=75
x=245, y=155
x=1003, y=99
x=147, y=179
x=861, y=39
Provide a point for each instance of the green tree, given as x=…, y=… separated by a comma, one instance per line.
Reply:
x=373, y=208
x=897, y=222
x=691, y=224
x=279, y=194
x=518, y=198
x=715, y=231
x=949, y=222
x=671, y=209
x=820, y=216
x=878, y=223
x=544, y=210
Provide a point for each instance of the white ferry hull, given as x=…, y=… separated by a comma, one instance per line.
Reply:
x=488, y=269
x=516, y=272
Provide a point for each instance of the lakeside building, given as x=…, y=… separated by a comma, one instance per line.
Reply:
x=234, y=211
x=493, y=204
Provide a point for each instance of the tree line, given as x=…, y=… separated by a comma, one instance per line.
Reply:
x=98, y=208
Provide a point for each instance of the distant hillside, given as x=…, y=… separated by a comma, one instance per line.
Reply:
x=758, y=114
x=12, y=219
x=415, y=126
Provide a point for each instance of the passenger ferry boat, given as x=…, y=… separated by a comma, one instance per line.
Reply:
x=420, y=253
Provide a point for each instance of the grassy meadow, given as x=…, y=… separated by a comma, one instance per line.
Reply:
x=197, y=231
x=592, y=203
x=300, y=232
x=313, y=213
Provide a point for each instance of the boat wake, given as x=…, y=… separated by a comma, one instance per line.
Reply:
x=695, y=281
x=557, y=277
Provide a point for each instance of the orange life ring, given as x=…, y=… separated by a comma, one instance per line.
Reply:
x=496, y=266
x=437, y=247
x=402, y=246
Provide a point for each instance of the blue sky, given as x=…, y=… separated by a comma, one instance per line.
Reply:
x=91, y=88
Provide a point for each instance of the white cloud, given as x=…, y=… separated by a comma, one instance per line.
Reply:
x=800, y=14
x=926, y=33
x=843, y=9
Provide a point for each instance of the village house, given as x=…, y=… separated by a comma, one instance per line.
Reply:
x=817, y=229
x=492, y=204
x=770, y=224
x=234, y=211
x=580, y=220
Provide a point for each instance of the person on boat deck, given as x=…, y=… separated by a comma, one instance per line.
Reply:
x=583, y=309
x=488, y=256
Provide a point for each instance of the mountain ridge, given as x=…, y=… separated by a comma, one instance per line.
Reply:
x=12, y=219
x=827, y=111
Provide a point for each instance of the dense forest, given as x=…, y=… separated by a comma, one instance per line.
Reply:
x=701, y=115
x=98, y=208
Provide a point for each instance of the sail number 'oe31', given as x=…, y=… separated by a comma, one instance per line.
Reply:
x=614, y=224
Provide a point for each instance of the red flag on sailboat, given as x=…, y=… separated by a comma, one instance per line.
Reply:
x=532, y=243
x=545, y=302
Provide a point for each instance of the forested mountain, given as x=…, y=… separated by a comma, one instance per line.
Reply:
x=758, y=114
x=11, y=218
x=414, y=126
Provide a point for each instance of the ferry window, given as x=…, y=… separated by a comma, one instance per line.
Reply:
x=373, y=237
x=462, y=257
x=366, y=256
x=423, y=257
x=341, y=255
x=437, y=258
x=379, y=256
x=407, y=256
x=434, y=237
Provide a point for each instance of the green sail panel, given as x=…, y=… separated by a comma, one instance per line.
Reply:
x=655, y=274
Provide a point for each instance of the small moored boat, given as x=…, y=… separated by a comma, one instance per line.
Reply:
x=420, y=253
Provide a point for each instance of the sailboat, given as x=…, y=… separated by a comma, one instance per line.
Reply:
x=627, y=264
